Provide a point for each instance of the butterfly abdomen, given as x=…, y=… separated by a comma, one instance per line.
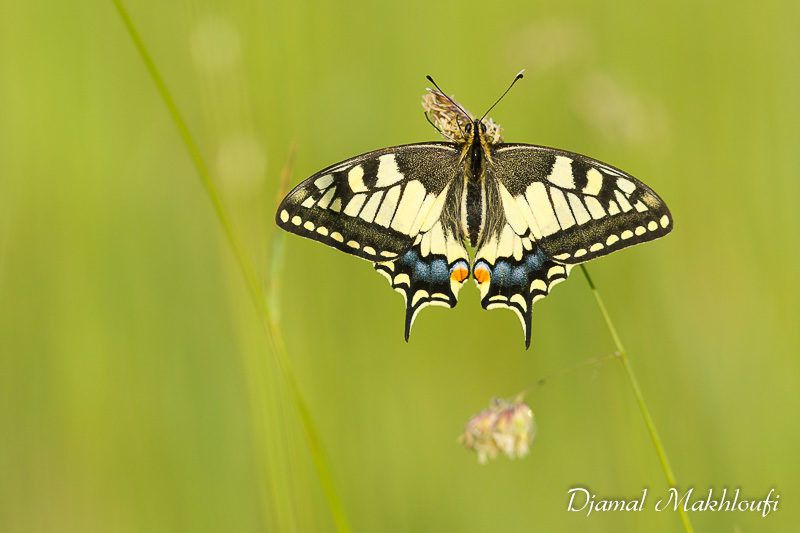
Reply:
x=474, y=210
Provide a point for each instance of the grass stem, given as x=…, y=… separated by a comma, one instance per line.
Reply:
x=248, y=271
x=622, y=355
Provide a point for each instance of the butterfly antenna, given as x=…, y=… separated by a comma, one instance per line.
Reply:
x=518, y=77
x=435, y=126
x=448, y=98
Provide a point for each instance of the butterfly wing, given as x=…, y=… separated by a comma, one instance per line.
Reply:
x=577, y=208
x=386, y=206
x=550, y=209
x=431, y=272
x=375, y=204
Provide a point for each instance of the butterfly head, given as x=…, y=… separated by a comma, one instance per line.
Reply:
x=482, y=132
x=455, y=123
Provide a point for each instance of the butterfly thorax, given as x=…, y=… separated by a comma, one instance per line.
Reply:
x=476, y=155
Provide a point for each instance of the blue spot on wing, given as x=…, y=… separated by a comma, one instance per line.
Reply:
x=430, y=273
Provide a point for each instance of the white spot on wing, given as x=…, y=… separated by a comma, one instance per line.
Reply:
x=419, y=295
x=388, y=171
x=623, y=202
x=517, y=247
x=565, y=218
x=541, y=209
x=355, y=178
x=424, y=209
x=561, y=175
x=595, y=208
x=354, y=205
x=408, y=207
x=581, y=214
x=369, y=211
x=432, y=216
x=438, y=244
x=384, y=216
x=627, y=186
x=284, y=216
x=513, y=214
x=425, y=245
x=489, y=253
x=324, y=182
x=539, y=284
x=505, y=248
x=325, y=201
x=594, y=182
x=455, y=250
x=525, y=209
x=519, y=300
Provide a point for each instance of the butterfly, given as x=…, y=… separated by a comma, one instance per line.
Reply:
x=530, y=213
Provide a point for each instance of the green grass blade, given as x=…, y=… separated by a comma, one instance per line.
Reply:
x=637, y=392
x=255, y=288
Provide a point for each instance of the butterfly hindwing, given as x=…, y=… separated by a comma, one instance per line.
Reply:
x=575, y=207
x=373, y=205
x=548, y=210
x=513, y=272
x=431, y=272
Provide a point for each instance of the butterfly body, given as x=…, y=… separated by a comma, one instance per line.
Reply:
x=531, y=213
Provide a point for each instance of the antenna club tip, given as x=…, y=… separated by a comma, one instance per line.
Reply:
x=429, y=78
x=520, y=74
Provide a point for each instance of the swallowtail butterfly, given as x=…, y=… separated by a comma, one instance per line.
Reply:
x=530, y=213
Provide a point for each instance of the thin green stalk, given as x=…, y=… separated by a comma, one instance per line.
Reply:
x=254, y=286
x=637, y=392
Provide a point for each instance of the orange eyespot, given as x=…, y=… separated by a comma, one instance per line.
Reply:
x=482, y=274
x=459, y=274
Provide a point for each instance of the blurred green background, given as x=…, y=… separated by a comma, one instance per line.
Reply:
x=138, y=391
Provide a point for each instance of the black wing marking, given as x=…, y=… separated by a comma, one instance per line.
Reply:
x=431, y=272
x=575, y=207
x=513, y=272
x=375, y=204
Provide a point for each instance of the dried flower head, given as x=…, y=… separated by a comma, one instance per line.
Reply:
x=450, y=120
x=506, y=427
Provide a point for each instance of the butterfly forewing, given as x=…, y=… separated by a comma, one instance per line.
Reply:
x=373, y=205
x=577, y=208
